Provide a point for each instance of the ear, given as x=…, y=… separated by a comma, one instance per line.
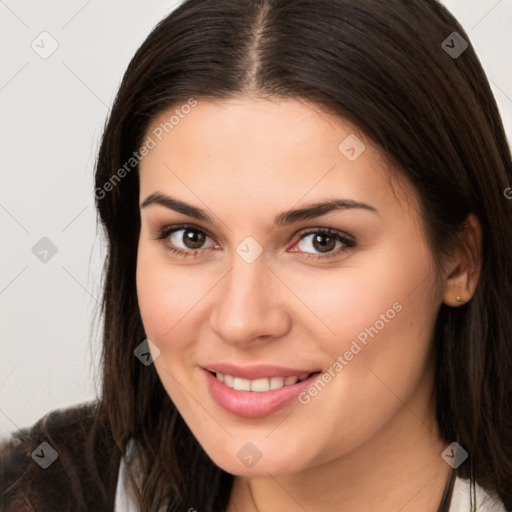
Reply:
x=463, y=270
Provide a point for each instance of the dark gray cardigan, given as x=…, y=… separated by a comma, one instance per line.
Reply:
x=82, y=478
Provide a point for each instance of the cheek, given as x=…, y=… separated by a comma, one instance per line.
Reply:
x=380, y=320
x=160, y=302
x=384, y=327
x=170, y=298
x=383, y=290
x=165, y=297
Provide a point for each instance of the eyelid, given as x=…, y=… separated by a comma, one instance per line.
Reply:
x=327, y=231
x=165, y=231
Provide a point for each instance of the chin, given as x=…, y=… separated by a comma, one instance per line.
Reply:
x=247, y=460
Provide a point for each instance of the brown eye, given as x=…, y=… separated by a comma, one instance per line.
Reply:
x=323, y=243
x=184, y=240
x=187, y=238
x=192, y=239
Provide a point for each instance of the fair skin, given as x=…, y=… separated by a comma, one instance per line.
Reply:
x=368, y=440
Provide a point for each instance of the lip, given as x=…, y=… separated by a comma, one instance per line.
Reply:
x=258, y=371
x=251, y=404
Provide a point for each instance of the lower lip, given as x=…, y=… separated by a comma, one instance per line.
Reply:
x=255, y=404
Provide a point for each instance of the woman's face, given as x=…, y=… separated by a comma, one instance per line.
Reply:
x=259, y=292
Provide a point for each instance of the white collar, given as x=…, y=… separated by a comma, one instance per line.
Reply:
x=460, y=501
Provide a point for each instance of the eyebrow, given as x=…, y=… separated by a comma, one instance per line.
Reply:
x=306, y=212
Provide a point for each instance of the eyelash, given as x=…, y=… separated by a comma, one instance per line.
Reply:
x=165, y=232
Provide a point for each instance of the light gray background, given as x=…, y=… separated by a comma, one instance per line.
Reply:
x=52, y=113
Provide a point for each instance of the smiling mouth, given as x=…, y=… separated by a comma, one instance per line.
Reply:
x=272, y=390
x=261, y=385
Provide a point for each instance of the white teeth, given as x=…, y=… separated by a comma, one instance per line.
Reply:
x=259, y=385
x=276, y=382
x=242, y=384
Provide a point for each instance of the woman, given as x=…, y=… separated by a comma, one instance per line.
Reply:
x=308, y=285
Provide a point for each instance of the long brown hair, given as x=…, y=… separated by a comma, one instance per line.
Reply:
x=381, y=65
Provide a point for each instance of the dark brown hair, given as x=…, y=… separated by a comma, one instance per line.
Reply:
x=380, y=65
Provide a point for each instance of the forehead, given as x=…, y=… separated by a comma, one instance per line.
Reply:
x=272, y=151
x=242, y=123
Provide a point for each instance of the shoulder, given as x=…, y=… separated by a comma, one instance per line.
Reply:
x=66, y=461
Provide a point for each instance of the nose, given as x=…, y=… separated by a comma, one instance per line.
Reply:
x=250, y=304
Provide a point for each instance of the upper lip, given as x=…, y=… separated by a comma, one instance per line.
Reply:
x=257, y=371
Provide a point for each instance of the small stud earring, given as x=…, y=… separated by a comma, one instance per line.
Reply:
x=460, y=299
